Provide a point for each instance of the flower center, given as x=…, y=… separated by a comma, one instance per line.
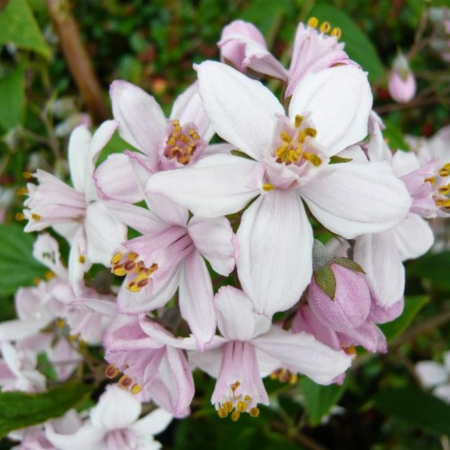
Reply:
x=441, y=187
x=237, y=404
x=295, y=145
x=129, y=265
x=182, y=142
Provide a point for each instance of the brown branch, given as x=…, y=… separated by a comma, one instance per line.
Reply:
x=78, y=59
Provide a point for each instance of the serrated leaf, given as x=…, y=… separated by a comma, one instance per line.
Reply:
x=17, y=265
x=19, y=409
x=416, y=408
x=413, y=304
x=19, y=27
x=12, y=94
x=325, y=279
x=357, y=45
x=320, y=399
x=348, y=264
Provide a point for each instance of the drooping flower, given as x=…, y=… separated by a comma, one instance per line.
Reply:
x=113, y=424
x=251, y=348
x=288, y=163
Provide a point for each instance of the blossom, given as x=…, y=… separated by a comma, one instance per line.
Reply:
x=77, y=213
x=163, y=144
x=113, y=425
x=402, y=83
x=243, y=45
x=287, y=164
x=169, y=255
x=434, y=375
x=250, y=348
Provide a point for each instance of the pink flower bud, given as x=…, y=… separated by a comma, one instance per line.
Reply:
x=402, y=84
x=233, y=42
x=339, y=296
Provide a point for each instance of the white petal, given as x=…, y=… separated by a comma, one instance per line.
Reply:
x=214, y=186
x=235, y=317
x=86, y=438
x=351, y=199
x=104, y=233
x=167, y=210
x=339, y=100
x=275, y=251
x=153, y=423
x=46, y=251
x=117, y=408
x=305, y=354
x=188, y=107
x=196, y=299
x=215, y=240
x=413, y=237
x=141, y=120
x=377, y=254
x=242, y=111
x=431, y=373
x=79, y=152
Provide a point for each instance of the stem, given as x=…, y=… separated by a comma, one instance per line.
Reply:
x=78, y=59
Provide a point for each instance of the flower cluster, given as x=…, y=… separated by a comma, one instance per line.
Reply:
x=275, y=252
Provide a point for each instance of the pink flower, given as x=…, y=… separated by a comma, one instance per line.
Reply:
x=252, y=348
x=169, y=255
x=289, y=163
x=402, y=83
x=113, y=425
x=151, y=370
x=163, y=144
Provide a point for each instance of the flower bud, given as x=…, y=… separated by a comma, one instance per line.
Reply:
x=338, y=294
x=402, y=84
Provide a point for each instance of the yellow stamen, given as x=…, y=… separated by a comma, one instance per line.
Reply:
x=235, y=416
x=298, y=120
x=311, y=132
x=132, y=256
x=125, y=382
x=27, y=175
x=312, y=158
x=20, y=216
x=325, y=27
x=119, y=271
x=81, y=259
x=116, y=258
x=222, y=412
x=441, y=203
x=241, y=407
x=49, y=275
x=60, y=323
x=135, y=389
x=444, y=190
x=268, y=187
x=313, y=22
x=111, y=371
x=336, y=32
x=22, y=191
x=254, y=412
x=444, y=171
x=228, y=406
x=431, y=180
x=293, y=378
x=35, y=216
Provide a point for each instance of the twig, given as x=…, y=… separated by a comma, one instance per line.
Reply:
x=78, y=59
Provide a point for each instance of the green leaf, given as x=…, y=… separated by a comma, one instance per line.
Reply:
x=338, y=160
x=12, y=93
x=325, y=279
x=17, y=265
x=19, y=27
x=413, y=304
x=320, y=399
x=115, y=145
x=19, y=409
x=348, y=264
x=357, y=45
x=394, y=136
x=433, y=267
x=416, y=408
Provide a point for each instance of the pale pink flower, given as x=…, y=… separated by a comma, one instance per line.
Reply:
x=163, y=144
x=328, y=112
x=169, y=255
x=251, y=348
x=402, y=83
x=243, y=45
x=77, y=213
x=151, y=370
x=113, y=424
x=437, y=376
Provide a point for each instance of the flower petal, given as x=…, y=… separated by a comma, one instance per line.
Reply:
x=351, y=199
x=242, y=111
x=78, y=154
x=141, y=120
x=154, y=423
x=305, y=354
x=431, y=373
x=196, y=299
x=339, y=100
x=214, y=186
x=275, y=245
x=215, y=240
x=87, y=437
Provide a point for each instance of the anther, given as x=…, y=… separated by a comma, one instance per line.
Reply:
x=35, y=216
x=27, y=175
x=311, y=132
x=254, y=412
x=325, y=27
x=22, y=191
x=293, y=378
x=111, y=371
x=222, y=412
x=268, y=187
x=135, y=389
x=125, y=382
x=81, y=259
x=336, y=32
x=298, y=120
x=431, y=180
x=119, y=271
x=49, y=275
x=313, y=22
x=444, y=190
x=228, y=406
x=241, y=407
x=116, y=258
x=60, y=323
x=19, y=217
x=441, y=203
x=130, y=266
x=235, y=416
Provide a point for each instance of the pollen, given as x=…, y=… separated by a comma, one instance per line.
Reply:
x=182, y=142
x=444, y=190
x=336, y=32
x=254, y=412
x=19, y=217
x=325, y=27
x=135, y=389
x=313, y=22
x=268, y=187
x=125, y=382
x=111, y=371
x=36, y=217
x=444, y=171
x=81, y=259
